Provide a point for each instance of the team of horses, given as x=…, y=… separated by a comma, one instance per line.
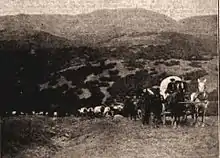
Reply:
x=178, y=105
x=153, y=108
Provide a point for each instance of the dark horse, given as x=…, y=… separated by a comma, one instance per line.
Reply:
x=131, y=108
x=151, y=104
x=174, y=100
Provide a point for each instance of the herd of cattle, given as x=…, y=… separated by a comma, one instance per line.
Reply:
x=150, y=106
x=128, y=109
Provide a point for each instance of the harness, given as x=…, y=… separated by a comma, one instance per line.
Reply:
x=201, y=96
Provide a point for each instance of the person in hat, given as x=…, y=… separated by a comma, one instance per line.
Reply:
x=171, y=86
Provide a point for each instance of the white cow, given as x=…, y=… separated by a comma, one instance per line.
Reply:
x=98, y=110
x=82, y=111
x=90, y=109
x=107, y=111
x=41, y=113
x=14, y=112
x=117, y=109
x=55, y=114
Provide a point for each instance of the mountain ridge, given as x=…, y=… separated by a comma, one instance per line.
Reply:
x=101, y=27
x=93, y=27
x=206, y=24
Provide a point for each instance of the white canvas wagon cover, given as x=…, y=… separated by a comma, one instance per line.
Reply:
x=164, y=83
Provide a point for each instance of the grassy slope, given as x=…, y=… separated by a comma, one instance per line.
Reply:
x=164, y=45
x=206, y=25
x=98, y=138
x=94, y=27
x=33, y=38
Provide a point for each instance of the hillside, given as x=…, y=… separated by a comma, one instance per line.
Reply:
x=205, y=25
x=98, y=138
x=163, y=45
x=94, y=27
x=117, y=28
x=31, y=38
x=45, y=63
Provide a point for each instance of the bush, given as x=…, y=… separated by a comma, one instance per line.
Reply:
x=132, y=63
x=104, y=84
x=172, y=63
x=195, y=74
x=167, y=63
x=105, y=78
x=113, y=72
x=110, y=66
x=159, y=62
x=195, y=64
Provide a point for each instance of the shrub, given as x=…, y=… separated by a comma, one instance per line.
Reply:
x=172, y=63
x=133, y=63
x=113, y=72
x=195, y=74
x=103, y=84
x=167, y=63
x=105, y=78
x=195, y=64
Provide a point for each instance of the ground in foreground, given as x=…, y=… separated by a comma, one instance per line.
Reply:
x=72, y=137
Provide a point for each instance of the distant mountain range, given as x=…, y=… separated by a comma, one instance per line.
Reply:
x=104, y=27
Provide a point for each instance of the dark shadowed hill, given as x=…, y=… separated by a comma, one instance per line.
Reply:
x=206, y=25
x=26, y=38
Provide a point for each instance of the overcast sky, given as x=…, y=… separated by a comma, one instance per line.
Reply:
x=176, y=9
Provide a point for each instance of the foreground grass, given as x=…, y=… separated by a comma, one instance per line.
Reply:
x=72, y=137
